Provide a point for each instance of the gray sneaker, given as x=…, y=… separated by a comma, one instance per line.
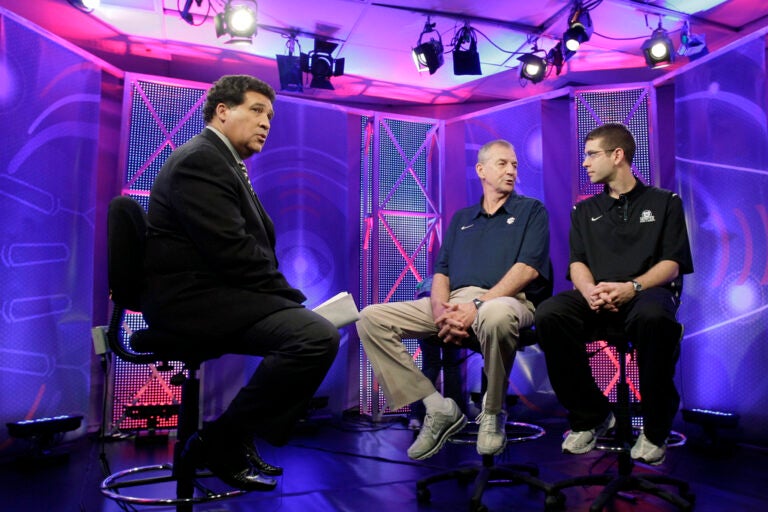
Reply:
x=492, y=434
x=583, y=441
x=438, y=427
x=646, y=451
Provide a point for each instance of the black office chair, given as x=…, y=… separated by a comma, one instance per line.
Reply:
x=127, y=227
x=488, y=472
x=623, y=479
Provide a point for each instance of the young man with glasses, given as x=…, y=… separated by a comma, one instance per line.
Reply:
x=628, y=250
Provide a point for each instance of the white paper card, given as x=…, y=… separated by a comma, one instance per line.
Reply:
x=340, y=309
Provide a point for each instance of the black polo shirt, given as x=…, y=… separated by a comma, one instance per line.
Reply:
x=620, y=239
x=478, y=249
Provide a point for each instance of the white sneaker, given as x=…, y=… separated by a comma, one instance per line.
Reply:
x=438, y=427
x=492, y=434
x=647, y=452
x=583, y=441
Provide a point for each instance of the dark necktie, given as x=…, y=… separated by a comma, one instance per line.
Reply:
x=244, y=169
x=259, y=208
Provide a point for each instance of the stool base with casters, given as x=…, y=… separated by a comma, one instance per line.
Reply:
x=138, y=485
x=623, y=481
x=127, y=225
x=488, y=473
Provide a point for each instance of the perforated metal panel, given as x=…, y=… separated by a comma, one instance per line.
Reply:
x=626, y=106
x=631, y=108
x=161, y=117
x=400, y=222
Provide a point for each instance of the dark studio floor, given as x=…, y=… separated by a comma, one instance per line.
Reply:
x=357, y=466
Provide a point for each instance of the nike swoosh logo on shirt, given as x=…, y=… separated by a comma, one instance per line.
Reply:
x=466, y=227
x=597, y=218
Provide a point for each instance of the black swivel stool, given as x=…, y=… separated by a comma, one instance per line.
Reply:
x=623, y=480
x=488, y=472
x=126, y=237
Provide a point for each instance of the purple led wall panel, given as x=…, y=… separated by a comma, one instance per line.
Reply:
x=400, y=222
x=627, y=106
x=49, y=102
x=520, y=124
x=721, y=158
x=631, y=108
x=302, y=178
x=160, y=116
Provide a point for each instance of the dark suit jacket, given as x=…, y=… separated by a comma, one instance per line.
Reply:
x=210, y=260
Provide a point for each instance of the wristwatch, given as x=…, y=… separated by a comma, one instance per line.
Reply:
x=637, y=286
x=477, y=303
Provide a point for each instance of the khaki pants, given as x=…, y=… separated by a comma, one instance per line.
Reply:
x=383, y=326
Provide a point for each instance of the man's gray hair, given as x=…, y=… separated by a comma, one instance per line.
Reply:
x=482, y=155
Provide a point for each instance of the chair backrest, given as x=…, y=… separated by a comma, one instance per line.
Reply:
x=126, y=238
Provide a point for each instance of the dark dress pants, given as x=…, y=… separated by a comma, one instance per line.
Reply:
x=565, y=324
x=298, y=347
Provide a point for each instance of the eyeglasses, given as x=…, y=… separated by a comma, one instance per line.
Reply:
x=591, y=155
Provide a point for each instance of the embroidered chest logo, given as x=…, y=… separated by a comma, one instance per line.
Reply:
x=647, y=216
x=510, y=220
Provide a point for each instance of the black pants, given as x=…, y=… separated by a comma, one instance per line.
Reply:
x=298, y=347
x=565, y=322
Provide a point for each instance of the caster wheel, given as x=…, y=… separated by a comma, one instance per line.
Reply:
x=423, y=495
x=556, y=502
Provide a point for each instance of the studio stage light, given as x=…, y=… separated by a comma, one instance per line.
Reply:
x=532, y=67
x=321, y=64
x=466, y=60
x=692, y=45
x=658, y=50
x=238, y=21
x=579, y=27
x=428, y=55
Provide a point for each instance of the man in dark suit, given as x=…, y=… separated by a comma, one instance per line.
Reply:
x=213, y=274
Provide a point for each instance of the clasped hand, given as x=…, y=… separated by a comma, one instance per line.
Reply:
x=455, y=321
x=609, y=296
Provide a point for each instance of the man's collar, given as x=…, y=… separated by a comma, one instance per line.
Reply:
x=226, y=141
x=477, y=209
x=606, y=200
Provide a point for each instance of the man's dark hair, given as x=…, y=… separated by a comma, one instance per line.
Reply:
x=231, y=89
x=615, y=135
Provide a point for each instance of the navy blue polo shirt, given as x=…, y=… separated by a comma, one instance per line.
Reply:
x=479, y=249
x=620, y=239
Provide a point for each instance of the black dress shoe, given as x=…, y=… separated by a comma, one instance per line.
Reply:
x=259, y=464
x=227, y=462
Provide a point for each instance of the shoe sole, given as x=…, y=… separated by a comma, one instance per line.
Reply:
x=653, y=463
x=453, y=429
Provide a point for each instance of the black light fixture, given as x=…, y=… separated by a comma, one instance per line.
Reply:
x=289, y=67
x=692, y=45
x=322, y=65
x=658, y=50
x=237, y=20
x=85, y=5
x=532, y=66
x=44, y=433
x=429, y=55
x=466, y=60
x=557, y=56
x=579, y=27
